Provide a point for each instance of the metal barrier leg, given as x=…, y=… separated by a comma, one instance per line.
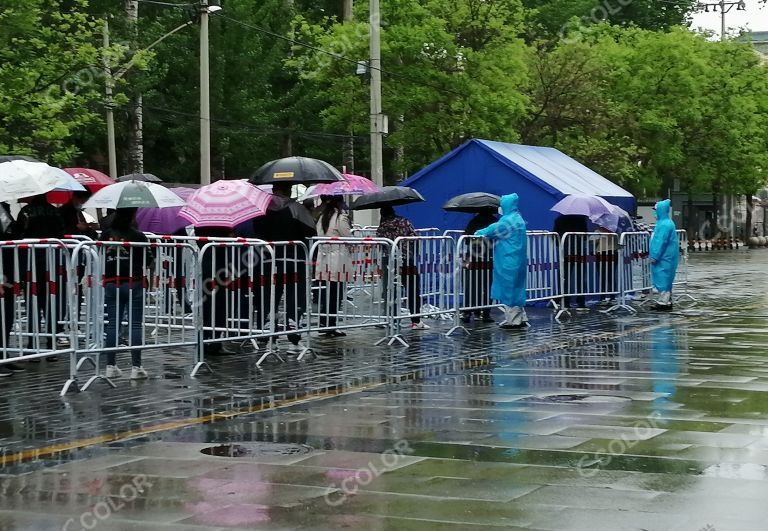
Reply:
x=72, y=381
x=95, y=378
x=271, y=351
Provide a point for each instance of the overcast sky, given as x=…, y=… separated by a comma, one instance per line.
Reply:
x=754, y=18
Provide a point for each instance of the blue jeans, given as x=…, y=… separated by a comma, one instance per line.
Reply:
x=120, y=300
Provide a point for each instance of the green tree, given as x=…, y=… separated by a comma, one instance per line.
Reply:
x=451, y=71
x=48, y=72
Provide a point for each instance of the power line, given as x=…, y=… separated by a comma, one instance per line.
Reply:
x=340, y=57
x=251, y=126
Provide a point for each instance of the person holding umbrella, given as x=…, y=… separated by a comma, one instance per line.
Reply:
x=478, y=259
x=333, y=261
x=510, y=264
x=124, y=272
x=126, y=267
x=288, y=220
x=40, y=220
x=215, y=210
x=391, y=227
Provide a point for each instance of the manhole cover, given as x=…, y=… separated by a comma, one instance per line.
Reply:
x=256, y=449
x=588, y=399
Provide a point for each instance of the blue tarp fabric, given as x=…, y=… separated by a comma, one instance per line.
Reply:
x=541, y=176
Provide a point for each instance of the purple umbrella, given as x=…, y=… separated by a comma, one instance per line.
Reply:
x=582, y=205
x=163, y=220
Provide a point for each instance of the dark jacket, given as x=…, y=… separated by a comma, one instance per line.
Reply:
x=570, y=223
x=125, y=263
x=480, y=221
x=71, y=217
x=38, y=220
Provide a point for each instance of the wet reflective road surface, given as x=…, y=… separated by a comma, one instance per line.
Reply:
x=649, y=422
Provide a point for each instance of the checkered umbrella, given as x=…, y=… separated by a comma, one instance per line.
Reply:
x=225, y=204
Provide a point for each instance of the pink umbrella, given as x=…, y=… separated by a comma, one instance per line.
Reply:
x=351, y=185
x=225, y=204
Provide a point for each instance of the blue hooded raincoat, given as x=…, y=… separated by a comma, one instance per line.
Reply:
x=665, y=249
x=510, y=254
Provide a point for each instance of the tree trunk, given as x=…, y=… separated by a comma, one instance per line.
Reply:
x=349, y=153
x=136, y=120
x=347, y=14
x=748, y=223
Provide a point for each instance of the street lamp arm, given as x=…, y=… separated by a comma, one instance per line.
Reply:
x=120, y=73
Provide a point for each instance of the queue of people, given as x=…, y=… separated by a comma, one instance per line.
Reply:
x=495, y=268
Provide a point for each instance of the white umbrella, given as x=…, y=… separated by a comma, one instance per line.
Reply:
x=134, y=194
x=22, y=178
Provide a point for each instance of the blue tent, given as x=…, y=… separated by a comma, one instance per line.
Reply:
x=540, y=175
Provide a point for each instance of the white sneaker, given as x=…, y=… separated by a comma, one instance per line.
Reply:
x=420, y=326
x=62, y=342
x=113, y=372
x=138, y=373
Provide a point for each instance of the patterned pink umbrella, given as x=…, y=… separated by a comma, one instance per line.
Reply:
x=225, y=204
x=351, y=185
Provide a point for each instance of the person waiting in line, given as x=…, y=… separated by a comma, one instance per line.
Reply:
x=607, y=261
x=510, y=262
x=279, y=225
x=333, y=262
x=574, y=274
x=664, y=255
x=478, y=265
x=8, y=278
x=125, y=273
x=72, y=218
x=392, y=226
x=40, y=220
x=224, y=296
x=74, y=223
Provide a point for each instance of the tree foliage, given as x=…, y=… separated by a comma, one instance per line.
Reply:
x=621, y=86
x=47, y=77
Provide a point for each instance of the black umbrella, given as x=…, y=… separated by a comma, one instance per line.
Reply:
x=9, y=158
x=296, y=170
x=473, y=202
x=145, y=177
x=387, y=196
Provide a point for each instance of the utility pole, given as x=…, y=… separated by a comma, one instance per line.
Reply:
x=725, y=7
x=378, y=120
x=109, y=83
x=722, y=20
x=205, y=98
x=136, y=155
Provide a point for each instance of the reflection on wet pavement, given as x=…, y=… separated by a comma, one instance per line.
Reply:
x=648, y=422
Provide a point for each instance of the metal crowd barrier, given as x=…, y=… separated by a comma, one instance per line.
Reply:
x=236, y=295
x=227, y=295
x=634, y=268
x=124, y=281
x=34, y=294
x=352, y=283
x=589, y=267
x=681, y=279
x=544, y=279
x=423, y=271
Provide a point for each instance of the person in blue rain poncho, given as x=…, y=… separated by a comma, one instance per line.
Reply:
x=510, y=262
x=664, y=255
